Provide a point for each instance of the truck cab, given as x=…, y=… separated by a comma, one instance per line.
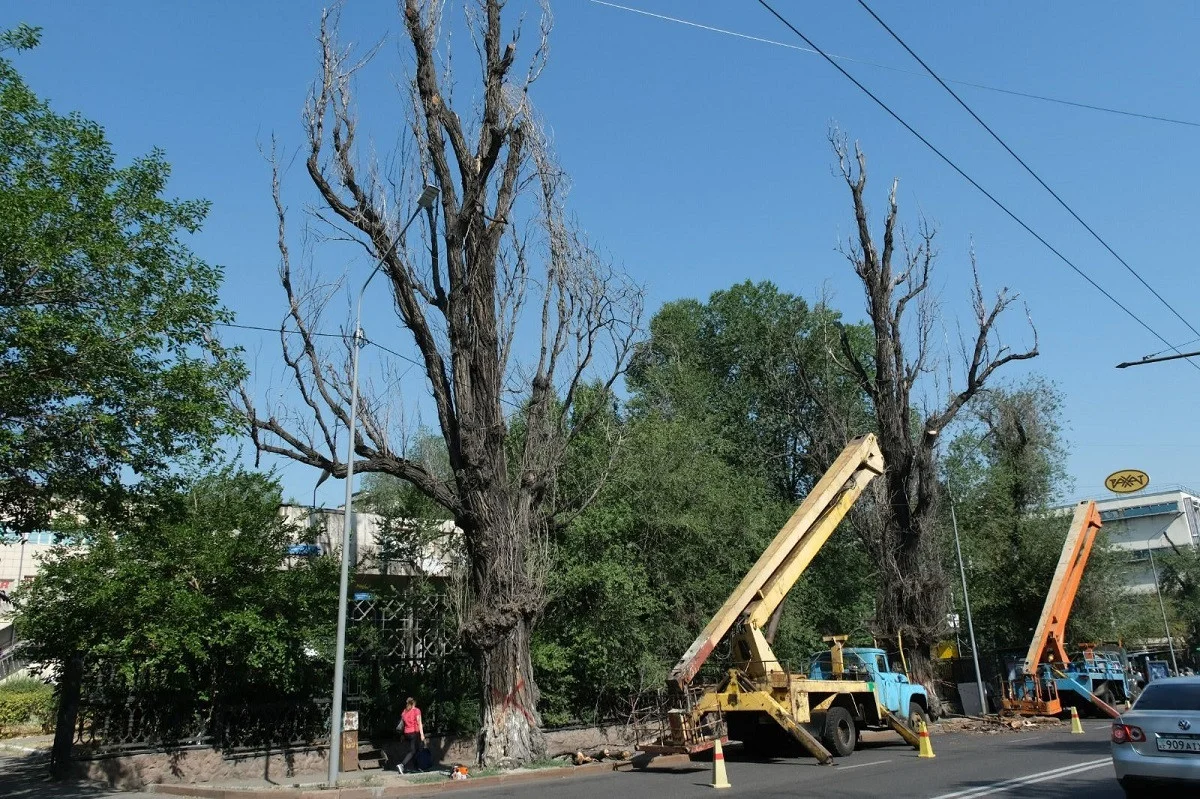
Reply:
x=906, y=699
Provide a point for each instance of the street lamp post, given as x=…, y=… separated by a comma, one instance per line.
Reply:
x=962, y=571
x=425, y=201
x=1162, y=609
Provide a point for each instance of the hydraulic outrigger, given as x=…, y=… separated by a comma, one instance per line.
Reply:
x=760, y=701
x=1043, y=674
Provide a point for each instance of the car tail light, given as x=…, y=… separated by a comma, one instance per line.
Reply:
x=1125, y=733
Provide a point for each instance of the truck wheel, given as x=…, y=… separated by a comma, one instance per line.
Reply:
x=840, y=732
x=916, y=713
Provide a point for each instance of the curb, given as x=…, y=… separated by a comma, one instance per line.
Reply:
x=372, y=792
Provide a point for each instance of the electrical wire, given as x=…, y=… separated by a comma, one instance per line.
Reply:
x=365, y=340
x=865, y=62
x=971, y=180
x=1028, y=168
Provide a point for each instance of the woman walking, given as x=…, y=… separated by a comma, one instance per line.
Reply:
x=414, y=732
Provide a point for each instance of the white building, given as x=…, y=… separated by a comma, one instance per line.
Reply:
x=1162, y=521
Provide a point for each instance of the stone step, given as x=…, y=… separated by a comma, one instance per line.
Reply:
x=369, y=764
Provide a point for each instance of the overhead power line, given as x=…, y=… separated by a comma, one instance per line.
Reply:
x=865, y=62
x=1028, y=168
x=320, y=335
x=970, y=179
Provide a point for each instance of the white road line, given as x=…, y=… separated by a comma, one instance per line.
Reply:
x=1029, y=779
x=863, y=765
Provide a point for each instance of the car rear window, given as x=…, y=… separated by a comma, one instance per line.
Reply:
x=1164, y=696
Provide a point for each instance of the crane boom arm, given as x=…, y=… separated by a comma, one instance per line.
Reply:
x=767, y=583
x=1051, y=627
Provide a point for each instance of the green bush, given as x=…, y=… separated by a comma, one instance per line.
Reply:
x=26, y=702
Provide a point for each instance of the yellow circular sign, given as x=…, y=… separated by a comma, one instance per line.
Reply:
x=1127, y=481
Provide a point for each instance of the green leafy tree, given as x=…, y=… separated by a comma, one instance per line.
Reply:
x=756, y=362
x=191, y=599
x=719, y=439
x=1006, y=475
x=1179, y=580
x=109, y=366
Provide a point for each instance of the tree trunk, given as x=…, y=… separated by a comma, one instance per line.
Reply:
x=69, y=687
x=511, y=733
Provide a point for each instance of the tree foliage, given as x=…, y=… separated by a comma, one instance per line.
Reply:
x=699, y=468
x=1006, y=475
x=191, y=598
x=109, y=369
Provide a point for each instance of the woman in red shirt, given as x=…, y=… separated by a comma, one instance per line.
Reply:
x=414, y=731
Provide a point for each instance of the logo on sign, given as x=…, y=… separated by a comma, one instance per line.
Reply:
x=1127, y=481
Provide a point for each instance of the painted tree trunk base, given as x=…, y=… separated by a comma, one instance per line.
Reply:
x=511, y=735
x=509, y=740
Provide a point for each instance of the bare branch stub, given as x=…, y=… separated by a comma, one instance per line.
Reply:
x=491, y=258
x=901, y=531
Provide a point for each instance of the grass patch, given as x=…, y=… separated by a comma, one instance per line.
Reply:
x=425, y=779
x=548, y=763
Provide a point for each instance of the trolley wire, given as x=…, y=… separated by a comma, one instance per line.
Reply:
x=949, y=162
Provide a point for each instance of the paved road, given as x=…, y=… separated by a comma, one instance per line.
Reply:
x=1044, y=764
x=24, y=777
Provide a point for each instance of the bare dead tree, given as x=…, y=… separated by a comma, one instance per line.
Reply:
x=900, y=530
x=460, y=300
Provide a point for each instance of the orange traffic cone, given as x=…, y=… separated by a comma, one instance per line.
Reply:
x=1076, y=727
x=719, y=778
x=926, y=749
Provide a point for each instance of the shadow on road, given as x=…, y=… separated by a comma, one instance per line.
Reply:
x=28, y=775
x=1066, y=746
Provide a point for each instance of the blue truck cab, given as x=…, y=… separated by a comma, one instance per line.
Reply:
x=905, y=699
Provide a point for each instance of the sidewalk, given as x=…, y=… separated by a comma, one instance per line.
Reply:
x=368, y=785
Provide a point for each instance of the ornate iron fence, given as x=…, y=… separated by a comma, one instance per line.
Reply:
x=106, y=728
x=401, y=643
x=405, y=643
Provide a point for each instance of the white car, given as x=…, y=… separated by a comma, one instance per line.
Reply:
x=1156, y=744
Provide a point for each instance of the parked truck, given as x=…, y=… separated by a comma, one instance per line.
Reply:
x=760, y=700
x=897, y=693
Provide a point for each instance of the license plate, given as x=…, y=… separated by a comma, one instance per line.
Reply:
x=1178, y=744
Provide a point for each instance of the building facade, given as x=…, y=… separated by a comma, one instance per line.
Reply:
x=1159, y=521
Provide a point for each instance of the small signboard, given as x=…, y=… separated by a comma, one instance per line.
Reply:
x=1127, y=481
x=350, y=720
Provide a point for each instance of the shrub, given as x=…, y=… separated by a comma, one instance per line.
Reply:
x=26, y=703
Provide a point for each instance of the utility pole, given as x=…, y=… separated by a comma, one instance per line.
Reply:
x=1161, y=608
x=962, y=571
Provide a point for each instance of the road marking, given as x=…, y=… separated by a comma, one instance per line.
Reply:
x=1029, y=779
x=863, y=765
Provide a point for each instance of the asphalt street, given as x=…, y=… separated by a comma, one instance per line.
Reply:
x=1043, y=763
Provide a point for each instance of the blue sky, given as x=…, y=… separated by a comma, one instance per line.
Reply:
x=700, y=159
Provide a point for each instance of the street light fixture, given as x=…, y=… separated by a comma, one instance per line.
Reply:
x=424, y=202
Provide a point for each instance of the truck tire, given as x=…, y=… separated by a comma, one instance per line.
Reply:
x=840, y=733
x=916, y=713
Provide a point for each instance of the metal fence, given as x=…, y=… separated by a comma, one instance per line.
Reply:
x=402, y=643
